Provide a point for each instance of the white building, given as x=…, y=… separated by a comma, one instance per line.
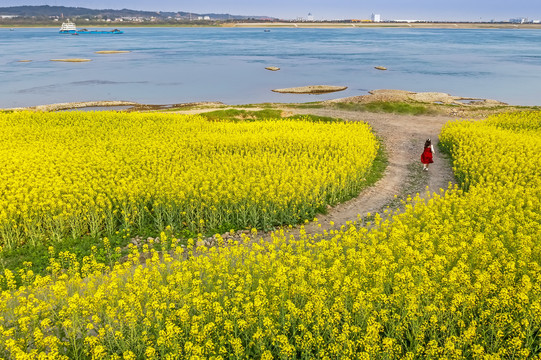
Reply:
x=518, y=21
x=310, y=17
x=376, y=18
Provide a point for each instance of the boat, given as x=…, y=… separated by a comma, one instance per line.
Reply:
x=85, y=31
x=69, y=27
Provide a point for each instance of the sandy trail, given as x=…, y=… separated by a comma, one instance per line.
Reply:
x=403, y=137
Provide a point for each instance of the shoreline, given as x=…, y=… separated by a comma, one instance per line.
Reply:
x=433, y=102
x=420, y=25
x=308, y=25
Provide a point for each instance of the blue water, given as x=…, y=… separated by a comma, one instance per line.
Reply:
x=179, y=65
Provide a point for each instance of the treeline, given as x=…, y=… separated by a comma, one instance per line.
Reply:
x=41, y=13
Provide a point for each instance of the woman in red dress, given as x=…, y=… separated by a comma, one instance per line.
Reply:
x=426, y=157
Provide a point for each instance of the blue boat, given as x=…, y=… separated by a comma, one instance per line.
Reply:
x=70, y=28
x=85, y=31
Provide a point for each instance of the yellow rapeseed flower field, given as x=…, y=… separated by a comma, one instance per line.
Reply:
x=73, y=173
x=454, y=276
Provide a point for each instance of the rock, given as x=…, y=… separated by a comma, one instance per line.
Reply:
x=272, y=68
x=312, y=89
x=380, y=67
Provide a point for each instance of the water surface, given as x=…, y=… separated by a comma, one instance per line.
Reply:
x=179, y=65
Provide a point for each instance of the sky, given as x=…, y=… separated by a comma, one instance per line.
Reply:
x=431, y=10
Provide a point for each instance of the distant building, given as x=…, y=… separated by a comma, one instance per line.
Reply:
x=310, y=17
x=518, y=20
x=409, y=21
x=8, y=16
x=376, y=18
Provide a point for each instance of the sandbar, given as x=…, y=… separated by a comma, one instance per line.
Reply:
x=312, y=89
x=112, y=52
x=72, y=60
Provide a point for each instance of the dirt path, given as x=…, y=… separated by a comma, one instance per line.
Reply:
x=403, y=137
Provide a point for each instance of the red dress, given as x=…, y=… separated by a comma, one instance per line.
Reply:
x=426, y=157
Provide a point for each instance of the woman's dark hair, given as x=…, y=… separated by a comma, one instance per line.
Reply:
x=428, y=143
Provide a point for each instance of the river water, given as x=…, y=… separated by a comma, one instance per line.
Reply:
x=179, y=65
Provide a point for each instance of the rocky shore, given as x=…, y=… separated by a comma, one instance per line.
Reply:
x=390, y=95
x=381, y=95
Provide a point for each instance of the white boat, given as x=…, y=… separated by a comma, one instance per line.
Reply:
x=68, y=28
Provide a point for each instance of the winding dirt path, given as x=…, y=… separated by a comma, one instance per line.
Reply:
x=403, y=137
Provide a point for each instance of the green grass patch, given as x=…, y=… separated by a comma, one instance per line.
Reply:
x=241, y=115
x=388, y=107
x=314, y=118
x=308, y=105
x=248, y=115
x=378, y=166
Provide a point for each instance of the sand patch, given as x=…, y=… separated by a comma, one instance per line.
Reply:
x=72, y=60
x=112, y=52
x=312, y=89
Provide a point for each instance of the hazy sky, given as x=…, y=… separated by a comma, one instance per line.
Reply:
x=456, y=10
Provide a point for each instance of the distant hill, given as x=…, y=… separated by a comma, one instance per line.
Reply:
x=46, y=11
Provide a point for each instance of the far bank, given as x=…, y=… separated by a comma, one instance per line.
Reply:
x=286, y=24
